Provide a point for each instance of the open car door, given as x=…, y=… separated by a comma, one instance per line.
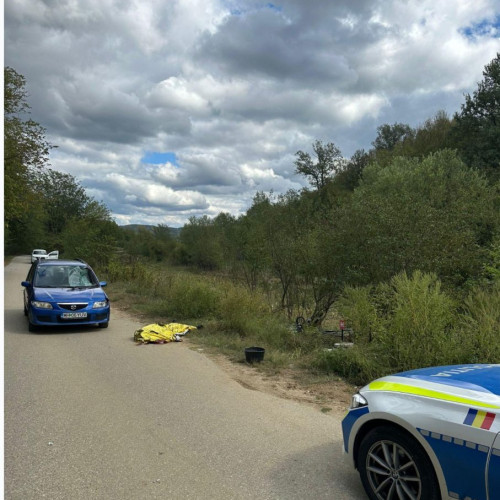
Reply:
x=53, y=255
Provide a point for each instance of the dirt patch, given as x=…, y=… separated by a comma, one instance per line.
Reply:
x=327, y=395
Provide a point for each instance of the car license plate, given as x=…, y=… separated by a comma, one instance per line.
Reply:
x=74, y=315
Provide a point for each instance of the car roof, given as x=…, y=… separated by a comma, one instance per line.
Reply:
x=39, y=250
x=62, y=262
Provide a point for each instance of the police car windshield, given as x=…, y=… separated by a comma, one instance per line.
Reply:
x=69, y=276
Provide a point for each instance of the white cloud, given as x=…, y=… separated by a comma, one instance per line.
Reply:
x=146, y=193
x=175, y=93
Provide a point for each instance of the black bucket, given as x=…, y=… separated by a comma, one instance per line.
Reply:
x=254, y=354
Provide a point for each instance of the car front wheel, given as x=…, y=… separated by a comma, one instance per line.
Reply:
x=392, y=465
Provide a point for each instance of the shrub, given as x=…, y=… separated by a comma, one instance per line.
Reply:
x=241, y=311
x=128, y=272
x=357, y=307
x=480, y=325
x=356, y=365
x=191, y=299
x=418, y=331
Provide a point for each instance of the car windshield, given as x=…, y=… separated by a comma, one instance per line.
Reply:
x=64, y=276
x=39, y=252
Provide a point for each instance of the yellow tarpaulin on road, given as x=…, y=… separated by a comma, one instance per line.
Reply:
x=159, y=333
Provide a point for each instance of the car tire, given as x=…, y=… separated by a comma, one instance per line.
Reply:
x=32, y=328
x=103, y=325
x=392, y=463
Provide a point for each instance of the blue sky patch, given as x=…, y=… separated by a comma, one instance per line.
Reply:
x=486, y=28
x=271, y=6
x=154, y=158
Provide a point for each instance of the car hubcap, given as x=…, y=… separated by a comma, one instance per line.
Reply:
x=392, y=472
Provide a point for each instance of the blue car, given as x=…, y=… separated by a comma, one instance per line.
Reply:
x=428, y=434
x=64, y=292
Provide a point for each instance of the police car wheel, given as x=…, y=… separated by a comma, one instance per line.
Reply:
x=392, y=465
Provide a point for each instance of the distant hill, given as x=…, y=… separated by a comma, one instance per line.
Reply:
x=174, y=231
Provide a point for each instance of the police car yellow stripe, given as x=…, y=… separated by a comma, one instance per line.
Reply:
x=427, y=393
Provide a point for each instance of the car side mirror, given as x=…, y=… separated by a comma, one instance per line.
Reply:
x=25, y=283
x=103, y=283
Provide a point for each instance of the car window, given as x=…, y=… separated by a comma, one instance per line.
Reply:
x=80, y=276
x=63, y=276
x=44, y=277
x=31, y=273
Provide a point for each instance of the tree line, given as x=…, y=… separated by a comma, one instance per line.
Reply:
x=421, y=199
x=44, y=208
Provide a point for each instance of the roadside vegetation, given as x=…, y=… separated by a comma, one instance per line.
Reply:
x=402, y=242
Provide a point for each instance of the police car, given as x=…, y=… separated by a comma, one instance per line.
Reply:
x=428, y=434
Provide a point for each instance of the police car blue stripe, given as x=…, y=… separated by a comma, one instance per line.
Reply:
x=494, y=476
x=463, y=464
x=349, y=421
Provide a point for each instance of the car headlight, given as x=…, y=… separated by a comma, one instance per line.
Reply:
x=358, y=401
x=98, y=305
x=41, y=305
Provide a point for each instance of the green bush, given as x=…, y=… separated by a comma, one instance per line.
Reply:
x=357, y=307
x=418, y=330
x=191, y=299
x=240, y=310
x=135, y=270
x=480, y=325
x=357, y=365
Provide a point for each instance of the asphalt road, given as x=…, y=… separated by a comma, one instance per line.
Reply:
x=90, y=415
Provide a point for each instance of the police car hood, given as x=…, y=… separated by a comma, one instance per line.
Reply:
x=480, y=382
x=69, y=294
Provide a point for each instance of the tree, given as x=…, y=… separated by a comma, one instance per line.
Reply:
x=435, y=215
x=430, y=137
x=25, y=148
x=476, y=130
x=350, y=176
x=288, y=228
x=90, y=234
x=200, y=246
x=329, y=162
x=64, y=198
x=388, y=136
x=251, y=257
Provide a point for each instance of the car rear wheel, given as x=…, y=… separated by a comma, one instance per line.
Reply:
x=392, y=465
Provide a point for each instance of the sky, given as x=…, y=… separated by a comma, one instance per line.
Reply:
x=169, y=109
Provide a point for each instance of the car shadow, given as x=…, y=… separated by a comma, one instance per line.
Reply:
x=18, y=324
x=319, y=472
